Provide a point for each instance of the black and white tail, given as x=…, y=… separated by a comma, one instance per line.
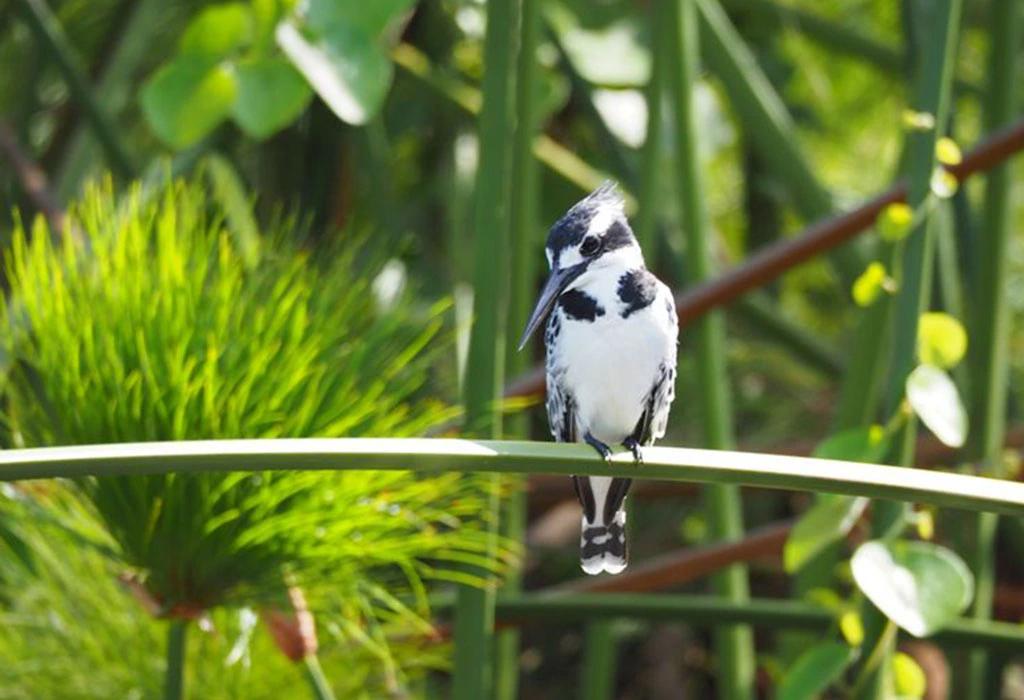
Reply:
x=603, y=537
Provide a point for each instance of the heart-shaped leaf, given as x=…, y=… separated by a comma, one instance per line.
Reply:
x=218, y=30
x=187, y=98
x=346, y=68
x=828, y=521
x=271, y=94
x=815, y=671
x=920, y=586
x=936, y=401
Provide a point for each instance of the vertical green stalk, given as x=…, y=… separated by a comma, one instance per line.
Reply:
x=174, y=678
x=525, y=253
x=734, y=643
x=318, y=683
x=599, y=661
x=988, y=358
x=474, y=613
x=48, y=32
x=931, y=94
x=647, y=213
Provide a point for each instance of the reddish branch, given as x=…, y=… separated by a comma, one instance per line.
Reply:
x=771, y=261
x=31, y=176
x=681, y=567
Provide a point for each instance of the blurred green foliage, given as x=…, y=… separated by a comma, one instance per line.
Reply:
x=148, y=323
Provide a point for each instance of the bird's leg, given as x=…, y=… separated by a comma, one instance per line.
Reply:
x=602, y=449
x=633, y=445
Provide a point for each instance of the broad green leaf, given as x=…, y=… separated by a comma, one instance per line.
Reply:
x=866, y=444
x=815, y=671
x=908, y=678
x=271, y=94
x=828, y=521
x=218, y=31
x=346, y=68
x=941, y=340
x=187, y=98
x=229, y=191
x=870, y=285
x=935, y=399
x=894, y=222
x=370, y=18
x=920, y=586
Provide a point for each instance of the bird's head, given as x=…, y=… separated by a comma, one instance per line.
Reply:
x=594, y=234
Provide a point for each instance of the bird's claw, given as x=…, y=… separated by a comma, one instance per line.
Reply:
x=602, y=449
x=633, y=446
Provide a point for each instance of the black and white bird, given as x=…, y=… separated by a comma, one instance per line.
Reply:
x=611, y=341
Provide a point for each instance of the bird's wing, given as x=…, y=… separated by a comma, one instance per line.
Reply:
x=654, y=421
x=560, y=403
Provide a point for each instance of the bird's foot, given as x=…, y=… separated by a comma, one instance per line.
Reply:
x=602, y=449
x=633, y=446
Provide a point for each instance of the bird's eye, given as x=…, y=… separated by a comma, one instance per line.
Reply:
x=590, y=245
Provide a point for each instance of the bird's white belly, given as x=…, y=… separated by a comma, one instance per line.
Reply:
x=611, y=365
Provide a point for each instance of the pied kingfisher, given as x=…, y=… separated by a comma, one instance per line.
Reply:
x=611, y=357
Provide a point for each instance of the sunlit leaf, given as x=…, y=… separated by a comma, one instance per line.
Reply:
x=828, y=521
x=612, y=56
x=920, y=586
x=218, y=30
x=936, y=401
x=944, y=183
x=908, y=678
x=941, y=340
x=815, y=670
x=894, y=222
x=918, y=121
x=346, y=68
x=271, y=94
x=187, y=98
x=625, y=113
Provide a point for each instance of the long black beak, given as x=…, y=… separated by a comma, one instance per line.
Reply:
x=556, y=284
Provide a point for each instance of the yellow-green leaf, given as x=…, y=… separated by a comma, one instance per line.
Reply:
x=908, y=678
x=870, y=285
x=894, y=222
x=218, y=30
x=852, y=628
x=941, y=340
x=947, y=151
